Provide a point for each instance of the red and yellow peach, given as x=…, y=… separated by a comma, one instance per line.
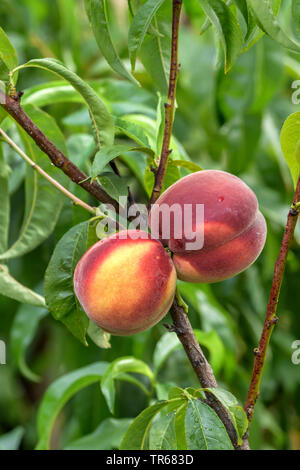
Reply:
x=234, y=229
x=126, y=282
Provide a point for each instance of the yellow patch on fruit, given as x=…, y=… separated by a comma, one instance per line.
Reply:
x=119, y=278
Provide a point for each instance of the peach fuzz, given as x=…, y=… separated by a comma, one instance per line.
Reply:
x=125, y=283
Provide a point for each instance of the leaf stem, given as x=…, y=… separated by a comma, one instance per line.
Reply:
x=76, y=201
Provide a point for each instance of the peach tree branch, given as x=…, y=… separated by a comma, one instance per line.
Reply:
x=14, y=108
x=271, y=318
x=76, y=201
x=160, y=172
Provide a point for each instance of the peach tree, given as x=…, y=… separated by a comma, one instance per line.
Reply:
x=98, y=282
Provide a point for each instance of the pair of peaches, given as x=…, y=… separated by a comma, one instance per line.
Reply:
x=126, y=282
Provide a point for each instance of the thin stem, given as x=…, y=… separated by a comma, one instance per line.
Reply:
x=74, y=199
x=13, y=107
x=271, y=318
x=169, y=106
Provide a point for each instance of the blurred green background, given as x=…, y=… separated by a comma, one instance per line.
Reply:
x=230, y=122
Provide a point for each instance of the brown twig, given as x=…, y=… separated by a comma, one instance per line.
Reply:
x=76, y=201
x=183, y=329
x=271, y=318
x=169, y=106
x=13, y=107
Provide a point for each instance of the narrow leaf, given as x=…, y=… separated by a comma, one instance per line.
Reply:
x=59, y=290
x=102, y=121
x=43, y=202
x=117, y=368
x=11, y=288
x=5, y=202
x=97, y=14
x=139, y=27
x=22, y=333
x=105, y=155
x=12, y=439
x=107, y=436
x=227, y=28
x=268, y=23
x=59, y=393
x=290, y=144
x=8, y=56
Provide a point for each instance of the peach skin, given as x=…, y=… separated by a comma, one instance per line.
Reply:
x=234, y=231
x=125, y=283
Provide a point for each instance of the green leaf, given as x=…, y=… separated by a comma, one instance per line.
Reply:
x=211, y=340
x=238, y=415
x=290, y=144
x=139, y=27
x=97, y=14
x=8, y=56
x=59, y=290
x=133, y=131
x=12, y=440
x=296, y=15
x=267, y=21
x=102, y=120
x=204, y=430
x=5, y=202
x=164, y=347
x=227, y=28
x=99, y=337
x=169, y=343
x=43, y=202
x=135, y=437
x=191, y=166
x=162, y=433
x=107, y=436
x=118, y=367
x=180, y=427
x=171, y=176
x=59, y=393
x=105, y=155
x=155, y=51
x=114, y=185
x=243, y=7
x=11, y=288
x=21, y=335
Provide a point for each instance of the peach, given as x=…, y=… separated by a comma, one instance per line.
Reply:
x=126, y=282
x=234, y=230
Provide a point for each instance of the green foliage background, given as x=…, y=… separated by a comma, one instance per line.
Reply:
x=230, y=122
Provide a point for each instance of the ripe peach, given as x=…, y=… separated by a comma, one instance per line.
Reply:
x=234, y=229
x=125, y=283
